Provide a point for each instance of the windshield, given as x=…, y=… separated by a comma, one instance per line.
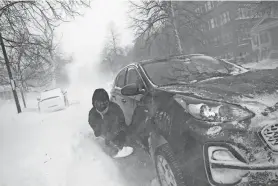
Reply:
x=196, y=69
x=51, y=94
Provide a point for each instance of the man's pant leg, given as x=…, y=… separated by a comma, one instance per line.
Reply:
x=120, y=140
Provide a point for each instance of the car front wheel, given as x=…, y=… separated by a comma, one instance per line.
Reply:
x=167, y=167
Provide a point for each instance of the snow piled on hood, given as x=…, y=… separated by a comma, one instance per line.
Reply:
x=259, y=103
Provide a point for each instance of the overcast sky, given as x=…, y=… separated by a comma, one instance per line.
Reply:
x=85, y=36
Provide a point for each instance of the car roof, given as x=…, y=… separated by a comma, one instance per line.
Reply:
x=173, y=57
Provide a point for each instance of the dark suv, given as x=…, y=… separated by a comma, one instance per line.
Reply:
x=211, y=122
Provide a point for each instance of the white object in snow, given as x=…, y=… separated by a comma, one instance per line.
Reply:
x=126, y=151
x=52, y=100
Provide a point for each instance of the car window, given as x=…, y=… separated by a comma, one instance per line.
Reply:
x=133, y=77
x=120, y=80
x=51, y=93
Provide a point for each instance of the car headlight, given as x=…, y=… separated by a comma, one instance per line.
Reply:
x=213, y=111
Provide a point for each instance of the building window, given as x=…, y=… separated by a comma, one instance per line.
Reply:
x=203, y=27
x=216, y=22
x=258, y=15
x=241, y=40
x=227, y=38
x=209, y=25
x=218, y=2
x=198, y=10
x=246, y=33
x=203, y=9
x=255, y=40
x=212, y=25
x=264, y=37
x=224, y=18
x=208, y=5
x=221, y=19
x=216, y=41
x=230, y=55
x=244, y=13
x=243, y=34
x=264, y=53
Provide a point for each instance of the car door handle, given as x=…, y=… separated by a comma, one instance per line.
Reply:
x=123, y=100
x=114, y=97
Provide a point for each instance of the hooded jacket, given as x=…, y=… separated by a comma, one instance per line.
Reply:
x=109, y=123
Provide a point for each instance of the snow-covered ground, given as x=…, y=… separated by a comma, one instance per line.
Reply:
x=59, y=149
x=266, y=64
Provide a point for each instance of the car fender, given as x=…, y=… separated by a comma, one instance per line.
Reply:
x=155, y=140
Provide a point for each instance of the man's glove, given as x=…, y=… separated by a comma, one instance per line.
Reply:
x=97, y=133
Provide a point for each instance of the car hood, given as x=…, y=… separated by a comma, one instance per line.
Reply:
x=256, y=90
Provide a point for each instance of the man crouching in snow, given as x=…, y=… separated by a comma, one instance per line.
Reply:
x=107, y=120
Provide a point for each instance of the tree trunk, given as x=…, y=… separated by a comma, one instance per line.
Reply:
x=178, y=47
x=21, y=88
x=23, y=98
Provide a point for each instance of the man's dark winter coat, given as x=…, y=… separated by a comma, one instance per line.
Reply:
x=110, y=124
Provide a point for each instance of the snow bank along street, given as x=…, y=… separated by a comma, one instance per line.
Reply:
x=58, y=149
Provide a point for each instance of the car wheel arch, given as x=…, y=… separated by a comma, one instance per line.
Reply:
x=162, y=147
x=155, y=140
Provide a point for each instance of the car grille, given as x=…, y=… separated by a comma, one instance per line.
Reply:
x=270, y=135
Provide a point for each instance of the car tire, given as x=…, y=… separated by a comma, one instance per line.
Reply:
x=165, y=161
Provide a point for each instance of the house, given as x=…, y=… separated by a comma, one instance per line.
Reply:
x=226, y=29
x=265, y=37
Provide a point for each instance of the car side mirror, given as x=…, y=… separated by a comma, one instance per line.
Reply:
x=132, y=90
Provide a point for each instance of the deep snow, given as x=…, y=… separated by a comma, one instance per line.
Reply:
x=59, y=149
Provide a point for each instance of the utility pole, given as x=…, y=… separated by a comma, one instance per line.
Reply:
x=10, y=75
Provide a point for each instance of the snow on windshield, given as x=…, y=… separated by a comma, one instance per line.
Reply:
x=196, y=68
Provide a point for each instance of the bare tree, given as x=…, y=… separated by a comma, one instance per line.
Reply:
x=28, y=28
x=28, y=32
x=149, y=17
x=112, y=53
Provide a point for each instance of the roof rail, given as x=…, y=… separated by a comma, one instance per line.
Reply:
x=153, y=60
x=170, y=57
x=186, y=55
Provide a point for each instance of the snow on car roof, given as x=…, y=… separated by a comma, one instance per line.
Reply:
x=51, y=93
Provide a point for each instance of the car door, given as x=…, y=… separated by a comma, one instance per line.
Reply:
x=116, y=96
x=131, y=102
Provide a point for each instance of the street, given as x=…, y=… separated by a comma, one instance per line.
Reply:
x=59, y=149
